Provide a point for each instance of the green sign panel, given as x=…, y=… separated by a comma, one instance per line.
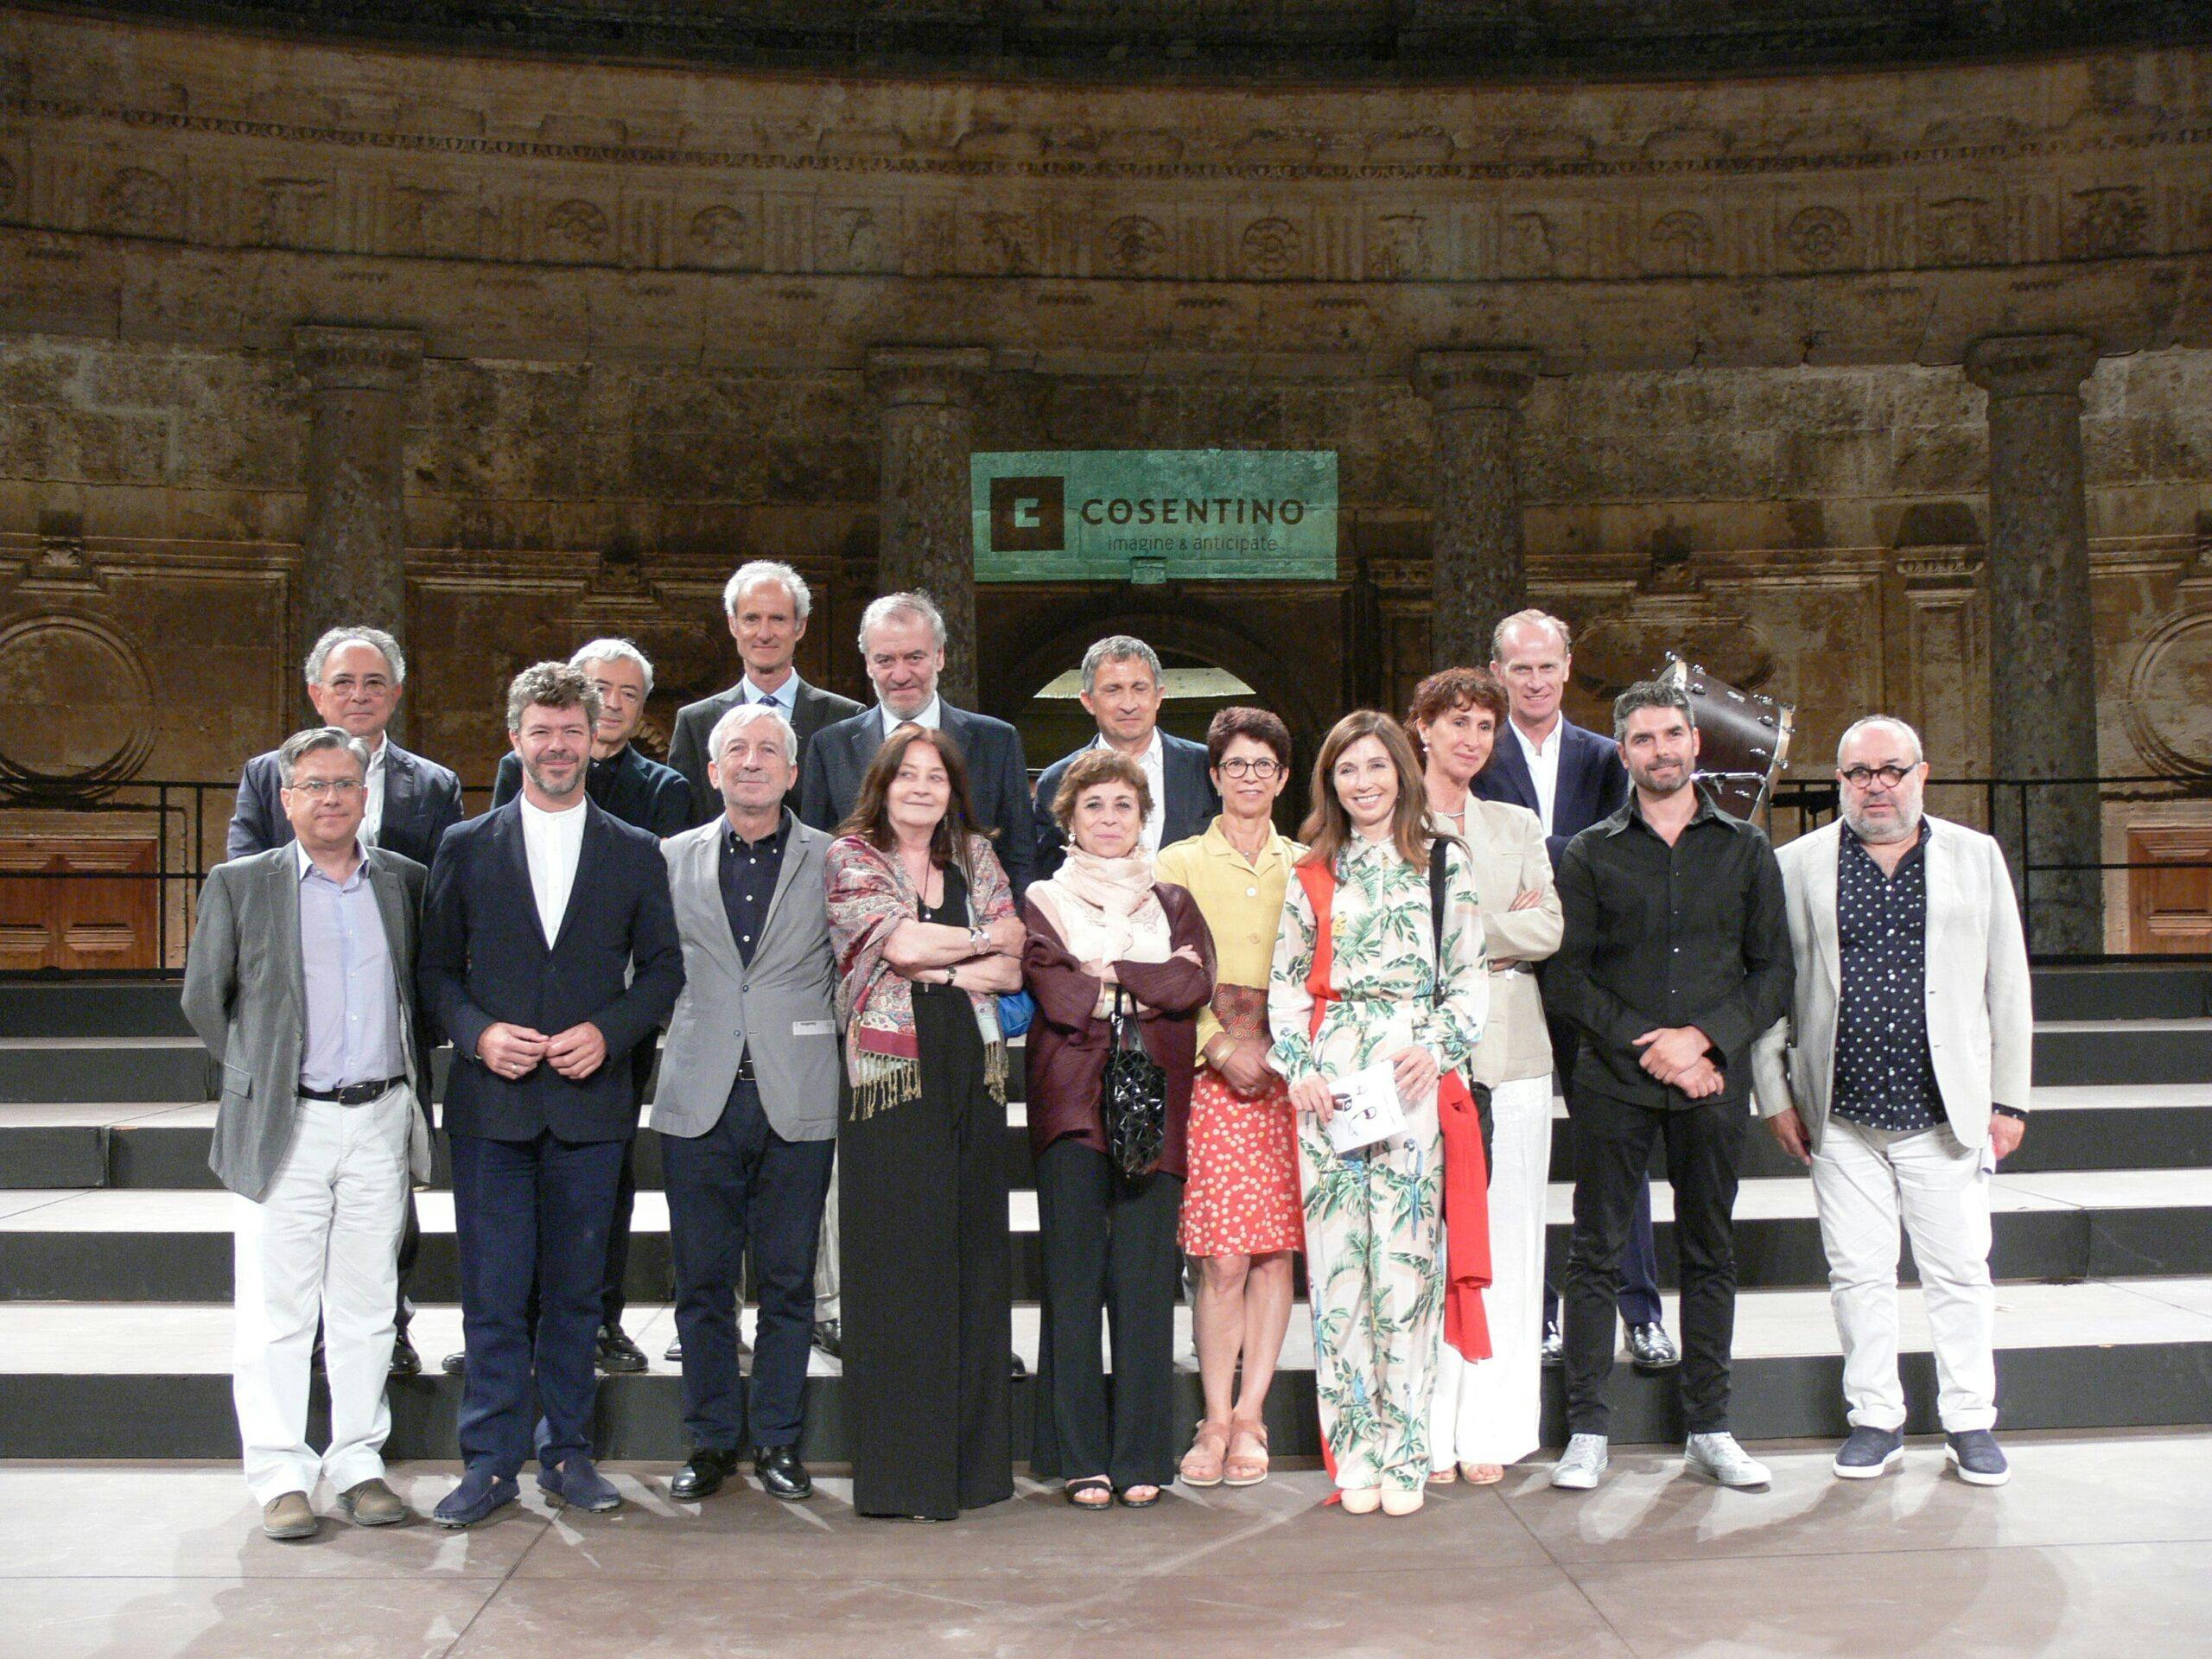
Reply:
x=1153, y=515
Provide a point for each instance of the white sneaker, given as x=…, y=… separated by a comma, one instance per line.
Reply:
x=1719, y=1458
x=1582, y=1465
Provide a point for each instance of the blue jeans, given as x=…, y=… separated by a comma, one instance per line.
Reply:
x=530, y=1213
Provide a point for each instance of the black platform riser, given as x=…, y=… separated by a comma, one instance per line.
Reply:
x=640, y=1418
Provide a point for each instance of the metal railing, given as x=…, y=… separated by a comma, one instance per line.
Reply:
x=134, y=921
x=2053, y=883
x=185, y=823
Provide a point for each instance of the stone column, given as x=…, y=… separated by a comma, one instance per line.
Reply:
x=924, y=538
x=2043, y=691
x=353, y=553
x=1476, y=530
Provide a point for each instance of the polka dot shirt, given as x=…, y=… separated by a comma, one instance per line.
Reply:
x=1885, y=1075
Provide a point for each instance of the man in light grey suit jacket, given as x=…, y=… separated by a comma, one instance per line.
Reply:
x=746, y=1108
x=301, y=981
x=1902, y=1077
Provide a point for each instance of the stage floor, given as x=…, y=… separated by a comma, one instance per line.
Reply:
x=2098, y=1548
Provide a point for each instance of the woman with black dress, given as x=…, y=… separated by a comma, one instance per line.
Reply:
x=922, y=919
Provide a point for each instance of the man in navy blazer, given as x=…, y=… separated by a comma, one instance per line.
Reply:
x=355, y=676
x=622, y=782
x=902, y=641
x=549, y=952
x=1122, y=690
x=1570, y=778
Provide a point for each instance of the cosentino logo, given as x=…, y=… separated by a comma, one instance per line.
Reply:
x=1209, y=510
x=1029, y=515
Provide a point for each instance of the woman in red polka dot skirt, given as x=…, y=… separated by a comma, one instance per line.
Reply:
x=1242, y=1216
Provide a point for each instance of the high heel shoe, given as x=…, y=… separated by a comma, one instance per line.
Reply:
x=1398, y=1500
x=1361, y=1500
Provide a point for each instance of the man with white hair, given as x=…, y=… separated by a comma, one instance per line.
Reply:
x=1901, y=1076
x=355, y=677
x=767, y=604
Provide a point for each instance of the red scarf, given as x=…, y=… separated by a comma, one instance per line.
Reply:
x=1466, y=1182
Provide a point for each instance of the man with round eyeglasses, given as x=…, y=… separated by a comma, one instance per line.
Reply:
x=1901, y=1078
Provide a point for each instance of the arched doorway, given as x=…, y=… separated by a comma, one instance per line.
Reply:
x=1282, y=651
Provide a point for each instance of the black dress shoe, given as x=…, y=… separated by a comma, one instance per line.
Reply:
x=405, y=1362
x=703, y=1475
x=1554, y=1348
x=1651, y=1349
x=781, y=1471
x=454, y=1364
x=675, y=1354
x=829, y=1337
x=617, y=1353
x=1015, y=1368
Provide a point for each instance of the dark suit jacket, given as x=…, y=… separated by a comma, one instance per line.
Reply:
x=643, y=793
x=1191, y=802
x=812, y=710
x=484, y=958
x=998, y=777
x=1592, y=782
x=422, y=801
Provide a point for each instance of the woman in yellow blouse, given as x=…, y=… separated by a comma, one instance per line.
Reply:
x=1242, y=1213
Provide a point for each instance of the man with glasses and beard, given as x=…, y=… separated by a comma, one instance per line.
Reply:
x=1901, y=1078
x=1677, y=958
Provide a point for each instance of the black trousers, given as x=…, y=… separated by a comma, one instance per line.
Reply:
x=1109, y=1248
x=1612, y=1155
x=1638, y=1294
x=741, y=1183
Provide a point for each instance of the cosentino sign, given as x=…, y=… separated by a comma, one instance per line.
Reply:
x=1153, y=515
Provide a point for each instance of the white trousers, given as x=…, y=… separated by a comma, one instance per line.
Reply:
x=1864, y=1180
x=1491, y=1411
x=325, y=1241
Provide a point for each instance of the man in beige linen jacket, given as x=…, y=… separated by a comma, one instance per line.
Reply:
x=1902, y=1077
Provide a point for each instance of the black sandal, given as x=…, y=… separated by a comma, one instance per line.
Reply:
x=1075, y=1490
x=1128, y=1502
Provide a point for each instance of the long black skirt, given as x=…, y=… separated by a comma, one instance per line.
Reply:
x=928, y=1283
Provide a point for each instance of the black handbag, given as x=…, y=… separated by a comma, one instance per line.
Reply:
x=1133, y=1101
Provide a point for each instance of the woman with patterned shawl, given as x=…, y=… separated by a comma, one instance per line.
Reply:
x=923, y=921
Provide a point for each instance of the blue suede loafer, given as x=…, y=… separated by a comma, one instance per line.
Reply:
x=579, y=1485
x=481, y=1492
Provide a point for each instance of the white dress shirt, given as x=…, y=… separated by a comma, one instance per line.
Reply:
x=932, y=716
x=1543, y=765
x=552, y=842
x=372, y=816
x=1155, y=762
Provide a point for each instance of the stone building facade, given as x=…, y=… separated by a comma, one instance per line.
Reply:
x=1878, y=388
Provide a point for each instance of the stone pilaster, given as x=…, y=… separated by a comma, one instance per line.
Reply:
x=353, y=554
x=924, y=538
x=2042, y=692
x=1476, y=527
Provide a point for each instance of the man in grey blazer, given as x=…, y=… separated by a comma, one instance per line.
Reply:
x=301, y=981
x=1901, y=1076
x=767, y=604
x=747, y=1109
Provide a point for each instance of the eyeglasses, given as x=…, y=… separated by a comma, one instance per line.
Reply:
x=1864, y=777
x=1241, y=768
x=315, y=788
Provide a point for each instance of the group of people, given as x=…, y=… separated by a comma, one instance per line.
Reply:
x=837, y=928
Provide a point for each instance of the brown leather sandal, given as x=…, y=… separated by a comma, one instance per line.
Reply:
x=1202, y=1464
x=1245, y=1468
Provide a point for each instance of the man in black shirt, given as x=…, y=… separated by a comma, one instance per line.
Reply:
x=1677, y=958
